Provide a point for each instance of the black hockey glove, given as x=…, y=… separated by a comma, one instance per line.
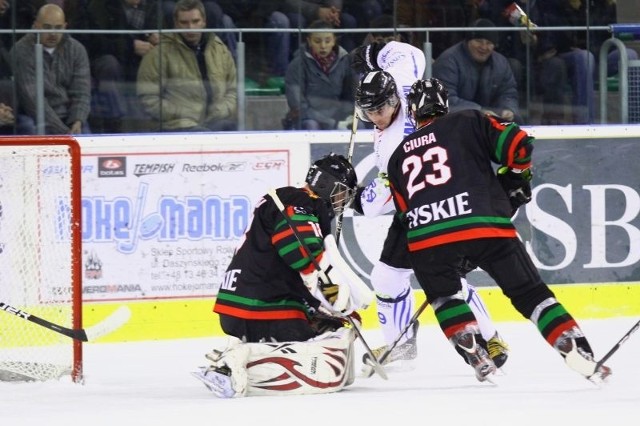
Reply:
x=321, y=322
x=516, y=185
x=364, y=58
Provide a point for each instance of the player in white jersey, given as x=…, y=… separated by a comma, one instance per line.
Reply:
x=390, y=70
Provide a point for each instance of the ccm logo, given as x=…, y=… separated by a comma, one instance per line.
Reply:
x=112, y=164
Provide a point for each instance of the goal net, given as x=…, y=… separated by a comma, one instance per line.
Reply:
x=40, y=256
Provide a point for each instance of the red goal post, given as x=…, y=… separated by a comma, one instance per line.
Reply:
x=40, y=256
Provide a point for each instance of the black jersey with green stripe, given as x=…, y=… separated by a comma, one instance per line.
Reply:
x=444, y=182
x=263, y=279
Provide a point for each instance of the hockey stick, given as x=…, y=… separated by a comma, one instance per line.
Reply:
x=106, y=326
x=615, y=347
x=376, y=365
x=354, y=127
x=390, y=349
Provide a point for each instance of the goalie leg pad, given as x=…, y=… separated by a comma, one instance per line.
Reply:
x=324, y=364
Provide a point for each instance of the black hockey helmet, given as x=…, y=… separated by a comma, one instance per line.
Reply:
x=375, y=90
x=427, y=98
x=334, y=179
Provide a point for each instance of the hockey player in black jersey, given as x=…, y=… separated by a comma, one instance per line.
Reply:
x=389, y=71
x=456, y=208
x=283, y=310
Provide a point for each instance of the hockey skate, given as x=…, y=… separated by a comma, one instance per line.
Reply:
x=466, y=342
x=405, y=352
x=578, y=356
x=498, y=350
x=217, y=380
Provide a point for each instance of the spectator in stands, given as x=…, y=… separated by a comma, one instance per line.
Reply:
x=478, y=77
x=267, y=54
x=115, y=58
x=519, y=47
x=74, y=12
x=67, y=77
x=320, y=83
x=216, y=18
x=189, y=82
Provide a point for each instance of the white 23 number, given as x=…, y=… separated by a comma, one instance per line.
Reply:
x=437, y=157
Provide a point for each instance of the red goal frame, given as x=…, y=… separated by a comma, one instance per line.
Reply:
x=75, y=200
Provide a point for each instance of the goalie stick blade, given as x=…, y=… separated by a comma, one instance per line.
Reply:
x=114, y=321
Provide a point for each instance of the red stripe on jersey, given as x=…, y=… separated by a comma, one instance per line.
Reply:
x=553, y=336
x=399, y=199
x=259, y=315
x=496, y=124
x=470, y=234
x=281, y=235
x=515, y=146
x=305, y=228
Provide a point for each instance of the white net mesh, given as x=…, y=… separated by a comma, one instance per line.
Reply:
x=36, y=262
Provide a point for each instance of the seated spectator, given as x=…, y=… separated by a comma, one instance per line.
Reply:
x=319, y=82
x=67, y=77
x=115, y=58
x=519, y=47
x=216, y=18
x=478, y=77
x=189, y=82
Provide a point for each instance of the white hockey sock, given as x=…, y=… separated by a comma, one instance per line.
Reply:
x=394, y=298
x=394, y=315
x=487, y=329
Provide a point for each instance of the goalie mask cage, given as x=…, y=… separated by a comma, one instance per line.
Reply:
x=40, y=256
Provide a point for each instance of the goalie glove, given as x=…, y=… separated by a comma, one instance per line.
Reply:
x=517, y=185
x=335, y=285
x=364, y=59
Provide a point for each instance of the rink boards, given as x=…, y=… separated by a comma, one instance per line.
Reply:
x=163, y=213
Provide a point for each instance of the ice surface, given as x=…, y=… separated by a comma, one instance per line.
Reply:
x=148, y=383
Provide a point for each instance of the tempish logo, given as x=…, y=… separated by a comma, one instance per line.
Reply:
x=14, y=311
x=153, y=168
x=112, y=166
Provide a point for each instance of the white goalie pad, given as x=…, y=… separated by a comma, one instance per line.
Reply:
x=353, y=293
x=322, y=365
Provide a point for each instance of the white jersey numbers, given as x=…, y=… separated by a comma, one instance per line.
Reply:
x=428, y=169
